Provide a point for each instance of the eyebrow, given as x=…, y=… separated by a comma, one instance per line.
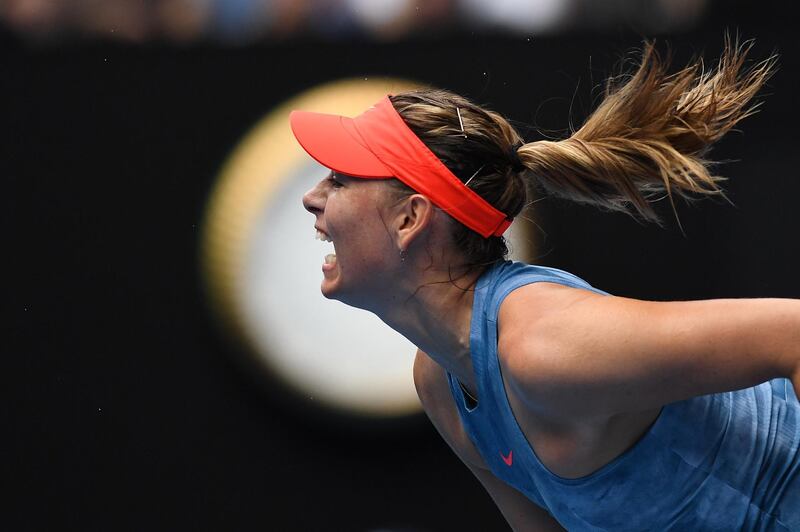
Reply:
x=340, y=176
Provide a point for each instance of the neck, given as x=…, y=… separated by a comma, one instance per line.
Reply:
x=435, y=314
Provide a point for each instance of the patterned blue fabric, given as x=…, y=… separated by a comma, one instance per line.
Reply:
x=722, y=462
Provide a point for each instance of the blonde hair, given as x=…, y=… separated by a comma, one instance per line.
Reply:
x=651, y=133
x=648, y=137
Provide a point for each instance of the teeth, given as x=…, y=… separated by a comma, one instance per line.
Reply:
x=330, y=258
x=322, y=236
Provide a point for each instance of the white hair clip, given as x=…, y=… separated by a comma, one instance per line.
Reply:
x=461, y=122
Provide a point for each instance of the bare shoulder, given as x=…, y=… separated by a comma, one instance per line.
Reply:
x=539, y=326
x=530, y=320
x=533, y=303
x=434, y=393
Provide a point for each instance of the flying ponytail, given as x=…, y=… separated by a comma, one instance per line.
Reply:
x=650, y=134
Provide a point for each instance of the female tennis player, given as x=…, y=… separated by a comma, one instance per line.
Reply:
x=574, y=408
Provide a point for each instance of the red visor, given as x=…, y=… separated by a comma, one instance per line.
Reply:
x=379, y=144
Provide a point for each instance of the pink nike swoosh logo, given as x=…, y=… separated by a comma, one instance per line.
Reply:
x=508, y=459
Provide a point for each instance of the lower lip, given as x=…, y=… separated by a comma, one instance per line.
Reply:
x=328, y=266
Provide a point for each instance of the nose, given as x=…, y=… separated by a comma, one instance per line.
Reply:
x=314, y=199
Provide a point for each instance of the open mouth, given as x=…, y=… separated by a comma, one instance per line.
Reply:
x=330, y=258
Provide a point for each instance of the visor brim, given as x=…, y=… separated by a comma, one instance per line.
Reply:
x=334, y=142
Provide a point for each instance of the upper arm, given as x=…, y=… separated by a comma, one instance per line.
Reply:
x=597, y=354
x=520, y=512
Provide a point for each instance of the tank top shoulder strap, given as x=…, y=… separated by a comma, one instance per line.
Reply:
x=513, y=275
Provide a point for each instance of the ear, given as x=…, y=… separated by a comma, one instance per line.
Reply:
x=414, y=217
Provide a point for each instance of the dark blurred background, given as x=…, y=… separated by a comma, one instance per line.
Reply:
x=125, y=409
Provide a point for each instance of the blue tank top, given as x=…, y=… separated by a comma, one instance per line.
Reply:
x=723, y=462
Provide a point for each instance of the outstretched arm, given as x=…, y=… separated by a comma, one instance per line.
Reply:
x=595, y=355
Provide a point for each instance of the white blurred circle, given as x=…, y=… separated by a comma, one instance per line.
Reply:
x=340, y=354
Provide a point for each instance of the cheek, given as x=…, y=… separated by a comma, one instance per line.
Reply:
x=363, y=242
x=360, y=233
x=350, y=219
x=367, y=240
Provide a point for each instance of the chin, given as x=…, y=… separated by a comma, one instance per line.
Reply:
x=335, y=293
x=333, y=290
x=328, y=291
